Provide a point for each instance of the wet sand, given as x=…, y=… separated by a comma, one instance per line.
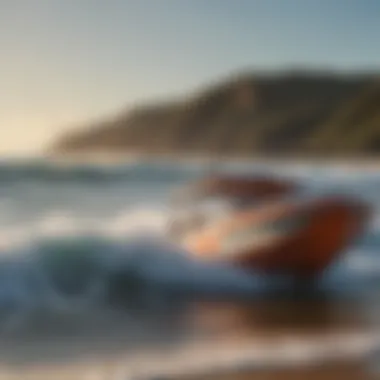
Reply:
x=345, y=370
x=265, y=339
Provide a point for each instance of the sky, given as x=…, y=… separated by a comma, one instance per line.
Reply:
x=64, y=63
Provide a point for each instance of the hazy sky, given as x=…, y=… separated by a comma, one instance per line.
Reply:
x=66, y=61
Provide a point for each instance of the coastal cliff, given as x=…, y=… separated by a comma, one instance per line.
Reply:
x=277, y=114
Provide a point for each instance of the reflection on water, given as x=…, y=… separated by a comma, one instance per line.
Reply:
x=268, y=318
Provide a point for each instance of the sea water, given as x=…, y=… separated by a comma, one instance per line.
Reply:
x=86, y=268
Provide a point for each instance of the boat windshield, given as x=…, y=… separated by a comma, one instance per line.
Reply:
x=194, y=216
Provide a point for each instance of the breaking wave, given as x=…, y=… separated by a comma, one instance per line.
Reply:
x=60, y=252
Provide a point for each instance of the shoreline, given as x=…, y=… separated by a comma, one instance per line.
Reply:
x=330, y=354
x=107, y=158
x=127, y=158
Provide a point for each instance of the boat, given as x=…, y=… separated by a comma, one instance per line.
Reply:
x=265, y=224
x=205, y=201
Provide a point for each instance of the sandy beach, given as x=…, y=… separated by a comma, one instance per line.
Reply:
x=320, y=339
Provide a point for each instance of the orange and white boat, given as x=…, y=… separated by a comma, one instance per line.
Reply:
x=256, y=224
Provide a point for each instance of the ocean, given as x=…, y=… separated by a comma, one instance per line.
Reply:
x=70, y=231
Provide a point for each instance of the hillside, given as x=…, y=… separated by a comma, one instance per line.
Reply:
x=292, y=113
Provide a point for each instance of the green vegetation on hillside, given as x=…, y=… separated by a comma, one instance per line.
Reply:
x=291, y=113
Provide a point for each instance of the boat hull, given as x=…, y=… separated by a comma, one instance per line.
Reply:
x=332, y=224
